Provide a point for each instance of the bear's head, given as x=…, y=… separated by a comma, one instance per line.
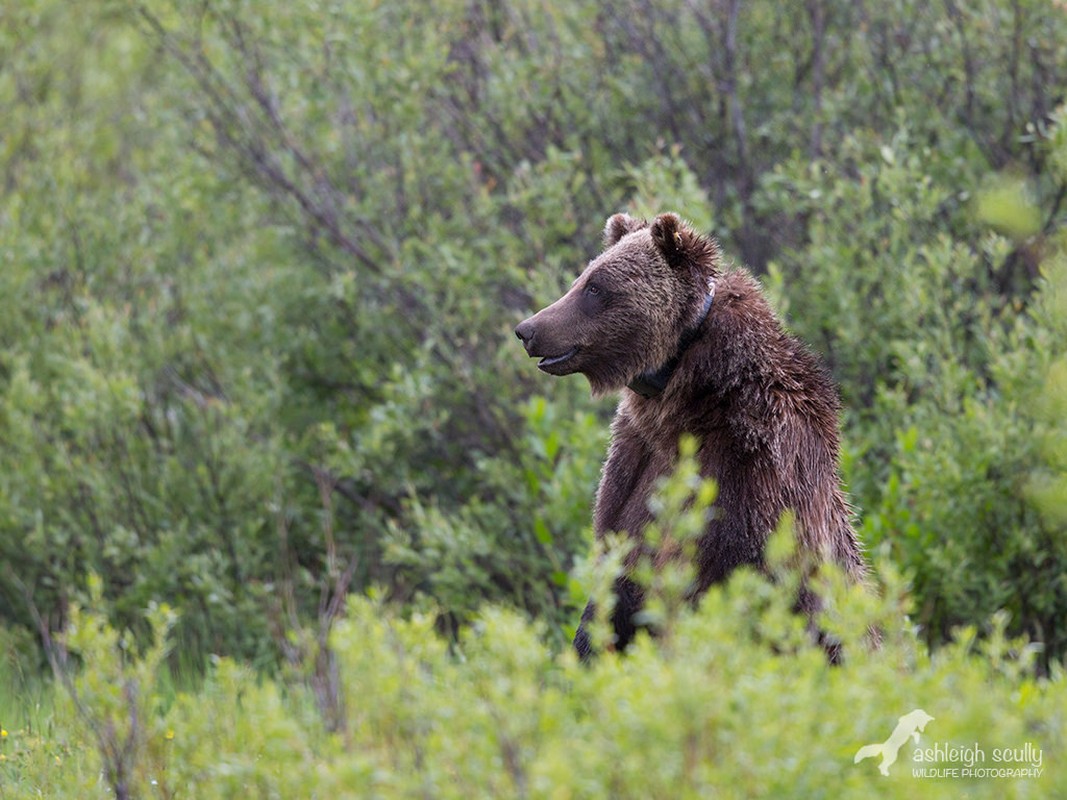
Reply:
x=628, y=312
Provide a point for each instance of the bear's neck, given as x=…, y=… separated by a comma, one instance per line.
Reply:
x=652, y=383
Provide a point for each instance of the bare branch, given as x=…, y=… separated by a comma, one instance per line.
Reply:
x=817, y=16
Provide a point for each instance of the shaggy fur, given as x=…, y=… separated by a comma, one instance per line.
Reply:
x=761, y=405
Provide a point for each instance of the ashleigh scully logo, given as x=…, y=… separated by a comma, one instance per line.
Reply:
x=950, y=760
x=908, y=727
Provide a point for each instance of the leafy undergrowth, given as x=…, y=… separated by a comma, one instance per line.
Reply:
x=730, y=700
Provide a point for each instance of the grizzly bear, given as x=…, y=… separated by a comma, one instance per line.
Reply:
x=696, y=349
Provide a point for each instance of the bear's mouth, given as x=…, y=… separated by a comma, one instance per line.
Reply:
x=548, y=363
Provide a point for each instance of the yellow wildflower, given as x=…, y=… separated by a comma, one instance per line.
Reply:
x=169, y=735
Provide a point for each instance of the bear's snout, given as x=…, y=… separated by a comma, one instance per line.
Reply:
x=525, y=331
x=540, y=335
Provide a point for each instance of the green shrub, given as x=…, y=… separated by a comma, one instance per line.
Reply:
x=741, y=704
x=941, y=351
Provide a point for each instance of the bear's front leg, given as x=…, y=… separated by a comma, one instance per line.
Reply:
x=582, y=645
x=629, y=600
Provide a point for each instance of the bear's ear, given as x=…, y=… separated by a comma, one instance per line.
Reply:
x=669, y=234
x=680, y=245
x=618, y=225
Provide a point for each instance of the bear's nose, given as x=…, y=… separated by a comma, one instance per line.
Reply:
x=525, y=331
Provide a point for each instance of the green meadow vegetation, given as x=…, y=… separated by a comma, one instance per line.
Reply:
x=285, y=512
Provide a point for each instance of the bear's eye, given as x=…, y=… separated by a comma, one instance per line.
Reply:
x=592, y=299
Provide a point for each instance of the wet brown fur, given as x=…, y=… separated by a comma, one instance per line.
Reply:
x=761, y=405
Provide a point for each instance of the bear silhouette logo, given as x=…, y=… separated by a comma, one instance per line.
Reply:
x=910, y=725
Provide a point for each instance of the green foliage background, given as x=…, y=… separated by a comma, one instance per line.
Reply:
x=259, y=267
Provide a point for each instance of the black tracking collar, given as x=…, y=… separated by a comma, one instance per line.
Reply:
x=652, y=383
